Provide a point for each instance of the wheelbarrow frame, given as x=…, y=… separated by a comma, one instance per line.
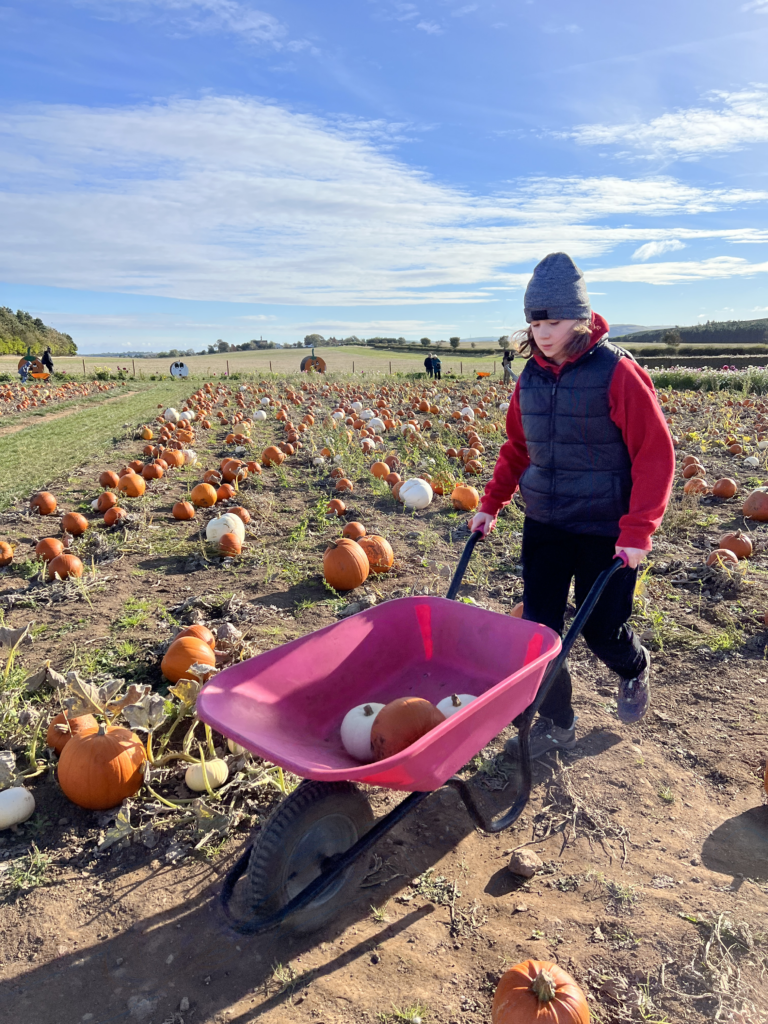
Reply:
x=337, y=865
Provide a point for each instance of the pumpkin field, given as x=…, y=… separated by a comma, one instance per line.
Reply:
x=154, y=534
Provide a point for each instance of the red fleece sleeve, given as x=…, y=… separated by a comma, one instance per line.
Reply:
x=513, y=459
x=637, y=414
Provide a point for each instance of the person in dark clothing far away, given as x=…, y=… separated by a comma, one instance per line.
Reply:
x=594, y=485
x=428, y=366
x=436, y=367
x=47, y=360
x=506, y=364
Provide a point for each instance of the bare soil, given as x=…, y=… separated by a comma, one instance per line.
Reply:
x=653, y=890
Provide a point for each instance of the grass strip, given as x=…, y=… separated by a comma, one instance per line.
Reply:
x=30, y=458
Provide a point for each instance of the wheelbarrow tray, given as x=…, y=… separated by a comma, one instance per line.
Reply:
x=287, y=705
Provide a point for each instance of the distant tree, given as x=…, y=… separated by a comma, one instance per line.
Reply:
x=221, y=346
x=426, y=342
x=672, y=338
x=471, y=344
x=313, y=339
x=504, y=341
x=439, y=343
x=454, y=343
x=402, y=341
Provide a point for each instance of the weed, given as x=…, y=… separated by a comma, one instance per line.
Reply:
x=29, y=871
x=416, y=1014
x=435, y=888
x=666, y=794
x=379, y=914
x=134, y=614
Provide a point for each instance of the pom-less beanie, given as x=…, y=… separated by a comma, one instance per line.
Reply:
x=557, y=291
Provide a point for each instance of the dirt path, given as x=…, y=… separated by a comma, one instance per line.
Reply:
x=67, y=410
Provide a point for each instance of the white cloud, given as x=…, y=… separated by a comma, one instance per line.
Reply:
x=761, y=6
x=205, y=16
x=570, y=29
x=651, y=249
x=430, y=27
x=235, y=199
x=674, y=273
x=468, y=9
x=734, y=120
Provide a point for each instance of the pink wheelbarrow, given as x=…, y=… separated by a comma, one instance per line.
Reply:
x=287, y=705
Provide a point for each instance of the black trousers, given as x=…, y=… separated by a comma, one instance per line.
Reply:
x=436, y=373
x=551, y=559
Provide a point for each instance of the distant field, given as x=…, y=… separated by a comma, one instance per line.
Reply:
x=341, y=360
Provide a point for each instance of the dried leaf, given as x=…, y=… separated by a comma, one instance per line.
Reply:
x=84, y=698
x=122, y=828
x=45, y=676
x=146, y=715
x=7, y=768
x=134, y=695
x=186, y=690
x=11, y=637
x=202, y=672
x=209, y=820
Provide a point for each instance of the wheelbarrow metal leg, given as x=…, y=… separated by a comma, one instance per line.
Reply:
x=319, y=884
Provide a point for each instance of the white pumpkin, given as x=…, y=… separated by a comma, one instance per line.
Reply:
x=357, y=406
x=752, y=462
x=16, y=805
x=468, y=412
x=171, y=416
x=356, y=730
x=367, y=414
x=190, y=456
x=216, y=771
x=450, y=705
x=228, y=523
x=503, y=406
x=337, y=415
x=259, y=415
x=407, y=428
x=266, y=401
x=376, y=425
x=319, y=461
x=762, y=445
x=187, y=415
x=416, y=493
x=235, y=748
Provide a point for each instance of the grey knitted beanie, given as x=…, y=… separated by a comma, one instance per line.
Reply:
x=557, y=291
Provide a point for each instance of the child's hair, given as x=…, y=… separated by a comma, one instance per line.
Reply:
x=579, y=342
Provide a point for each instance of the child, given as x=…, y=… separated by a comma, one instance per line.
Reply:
x=590, y=449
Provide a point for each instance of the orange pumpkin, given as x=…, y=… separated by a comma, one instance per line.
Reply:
x=229, y=545
x=756, y=505
x=696, y=485
x=44, y=502
x=200, y=632
x=465, y=498
x=241, y=513
x=380, y=470
x=225, y=492
x=183, y=510
x=353, y=531
x=101, y=769
x=400, y=723
x=64, y=566
x=722, y=557
x=104, y=501
x=345, y=565
x=336, y=506
x=739, y=543
x=153, y=470
x=48, y=548
x=272, y=456
x=131, y=485
x=108, y=479
x=74, y=523
x=540, y=992
x=343, y=484
x=112, y=515
x=183, y=653
x=378, y=551
x=725, y=487
x=203, y=495
x=6, y=553
x=62, y=729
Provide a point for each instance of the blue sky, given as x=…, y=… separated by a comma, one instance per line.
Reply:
x=177, y=171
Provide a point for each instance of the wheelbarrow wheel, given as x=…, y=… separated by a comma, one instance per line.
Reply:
x=318, y=821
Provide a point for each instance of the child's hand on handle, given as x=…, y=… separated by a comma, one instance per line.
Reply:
x=482, y=522
x=634, y=556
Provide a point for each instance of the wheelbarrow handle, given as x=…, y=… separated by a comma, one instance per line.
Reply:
x=461, y=568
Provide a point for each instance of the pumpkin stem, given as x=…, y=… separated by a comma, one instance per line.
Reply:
x=367, y=710
x=455, y=700
x=102, y=729
x=543, y=987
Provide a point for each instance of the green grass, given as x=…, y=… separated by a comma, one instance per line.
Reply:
x=34, y=456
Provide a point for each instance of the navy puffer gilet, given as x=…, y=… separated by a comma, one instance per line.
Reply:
x=580, y=475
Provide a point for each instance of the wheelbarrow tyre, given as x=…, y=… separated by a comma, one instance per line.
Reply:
x=314, y=823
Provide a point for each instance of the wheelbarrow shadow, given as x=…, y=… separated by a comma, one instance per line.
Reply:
x=739, y=846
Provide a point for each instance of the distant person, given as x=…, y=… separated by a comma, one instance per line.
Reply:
x=436, y=367
x=428, y=365
x=506, y=364
x=24, y=369
x=47, y=360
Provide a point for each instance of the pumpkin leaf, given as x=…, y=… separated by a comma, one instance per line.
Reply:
x=147, y=714
x=11, y=637
x=209, y=820
x=84, y=698
x=7, y=768
x=122, y=829
x=186, y=690
x=134, y=696
x=45, y=676
x=201, y=672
